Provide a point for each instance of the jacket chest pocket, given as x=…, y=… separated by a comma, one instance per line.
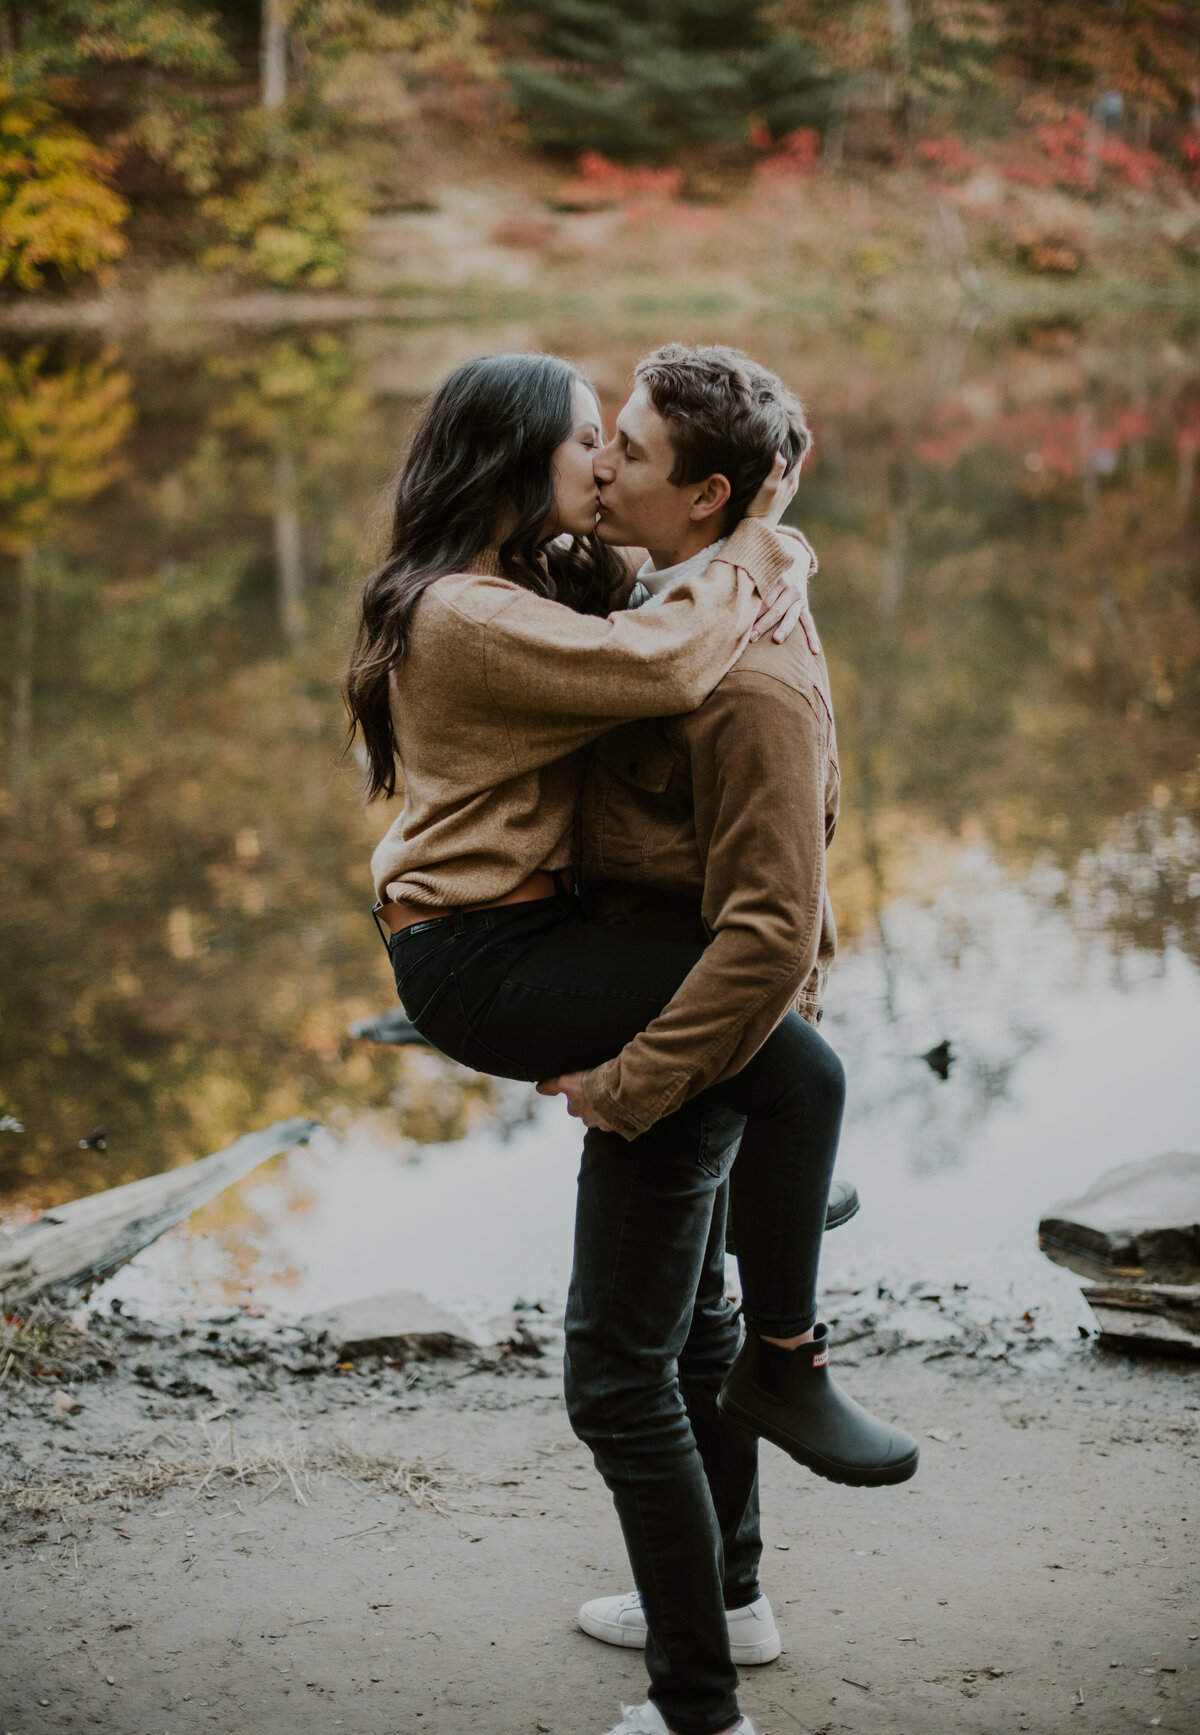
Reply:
x=635, y=755
x=630, y=807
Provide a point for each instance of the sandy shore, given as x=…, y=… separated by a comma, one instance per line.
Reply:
x=1038, y=1574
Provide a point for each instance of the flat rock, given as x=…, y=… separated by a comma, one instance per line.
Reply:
x=1162, y=1316
x=1142, y=1217
x=399, y=1322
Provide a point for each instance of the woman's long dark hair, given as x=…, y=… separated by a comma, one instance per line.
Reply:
x=481, y=457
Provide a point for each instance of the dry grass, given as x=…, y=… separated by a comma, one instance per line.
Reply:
x=293, y=1464
x=44, y=1341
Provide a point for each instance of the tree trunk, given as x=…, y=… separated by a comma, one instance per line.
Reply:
x=274, y=53
x=289, y=552
x=21, y=742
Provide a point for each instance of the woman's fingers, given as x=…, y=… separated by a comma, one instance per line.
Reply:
x=782, y=612
x=799, y=615
x=787, y=625
x=766, y=503
x=772, y=611
x=784, y=596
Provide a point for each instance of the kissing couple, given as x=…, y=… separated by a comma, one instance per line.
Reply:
x=578, y=663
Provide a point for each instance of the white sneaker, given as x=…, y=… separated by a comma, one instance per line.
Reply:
x=640, y=1720
x=619, y=1620
x=647, y=1720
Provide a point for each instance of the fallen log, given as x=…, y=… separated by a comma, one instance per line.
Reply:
x=1164, y=1316
x=77, y=1245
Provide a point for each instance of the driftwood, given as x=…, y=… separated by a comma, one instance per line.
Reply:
x=1150, y=1315
x=77, y=1245
x=391, y=1027
x=1141, y=1218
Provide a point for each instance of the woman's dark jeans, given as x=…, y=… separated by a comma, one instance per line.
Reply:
x=533, y=990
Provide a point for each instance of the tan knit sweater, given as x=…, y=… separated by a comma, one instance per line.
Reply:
x=500, y=691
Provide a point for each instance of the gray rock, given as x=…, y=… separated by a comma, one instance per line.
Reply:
x=399, y=1323
x=1160, y=1316
x=1138, y=1218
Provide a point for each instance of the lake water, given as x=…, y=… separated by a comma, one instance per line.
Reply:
x=1010, y=599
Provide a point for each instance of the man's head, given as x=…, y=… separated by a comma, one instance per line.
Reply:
x=693, y=445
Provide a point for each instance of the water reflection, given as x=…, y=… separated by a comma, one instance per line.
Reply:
x=1062, y=1075
x=1010, y=597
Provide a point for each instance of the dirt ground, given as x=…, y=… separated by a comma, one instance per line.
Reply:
x=1038, y=1574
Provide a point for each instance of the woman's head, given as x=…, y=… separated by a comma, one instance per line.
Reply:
x=501, y=460
x=481, y=468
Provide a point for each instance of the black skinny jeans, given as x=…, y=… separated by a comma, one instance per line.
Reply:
x=533, y=990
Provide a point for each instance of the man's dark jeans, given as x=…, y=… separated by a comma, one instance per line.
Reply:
x=532, y=990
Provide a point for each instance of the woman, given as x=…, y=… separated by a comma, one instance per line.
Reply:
x=471, y=673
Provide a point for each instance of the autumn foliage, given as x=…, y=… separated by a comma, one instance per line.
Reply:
x=795, y=155
x=59, y=214
x=150, y=118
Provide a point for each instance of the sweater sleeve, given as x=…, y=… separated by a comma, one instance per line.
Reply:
x=758, y=750
x=544, y=660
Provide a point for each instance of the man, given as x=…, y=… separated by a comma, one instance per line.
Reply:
x=716, y=825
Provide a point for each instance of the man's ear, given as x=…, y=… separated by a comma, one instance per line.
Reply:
x=709, y=498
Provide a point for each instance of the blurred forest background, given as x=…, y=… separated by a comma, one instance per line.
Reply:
x=240, y=242
x=260, y=138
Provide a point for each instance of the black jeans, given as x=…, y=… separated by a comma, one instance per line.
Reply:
x=532, y=990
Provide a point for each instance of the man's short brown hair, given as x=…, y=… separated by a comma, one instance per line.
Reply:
x=725, y=414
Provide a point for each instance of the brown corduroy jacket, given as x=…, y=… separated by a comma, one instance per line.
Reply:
x=500, y=692
x=715, y=825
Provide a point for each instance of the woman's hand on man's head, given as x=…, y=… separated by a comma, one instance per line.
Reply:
x=777, y=492
x=570, y=1085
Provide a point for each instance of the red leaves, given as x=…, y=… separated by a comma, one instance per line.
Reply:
x=948, y=157
x=600, y=183
x=793, y=156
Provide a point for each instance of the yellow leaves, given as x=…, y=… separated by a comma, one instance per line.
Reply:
x=61, y=434
x=57, y=209
x=291, y=223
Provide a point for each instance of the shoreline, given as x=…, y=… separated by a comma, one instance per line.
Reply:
x=270, y=1542
x=125, y=315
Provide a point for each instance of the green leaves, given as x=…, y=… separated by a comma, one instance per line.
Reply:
x=637, y=78
x=65, y=36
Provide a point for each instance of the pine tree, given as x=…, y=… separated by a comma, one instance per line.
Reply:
x=637, y=78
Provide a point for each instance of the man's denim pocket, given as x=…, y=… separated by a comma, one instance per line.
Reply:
x=720, y=1136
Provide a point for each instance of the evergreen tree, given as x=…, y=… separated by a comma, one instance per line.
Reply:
x=636, y=78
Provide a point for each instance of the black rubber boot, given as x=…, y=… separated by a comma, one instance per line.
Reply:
x=843, y=1204
x=787, y=1396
